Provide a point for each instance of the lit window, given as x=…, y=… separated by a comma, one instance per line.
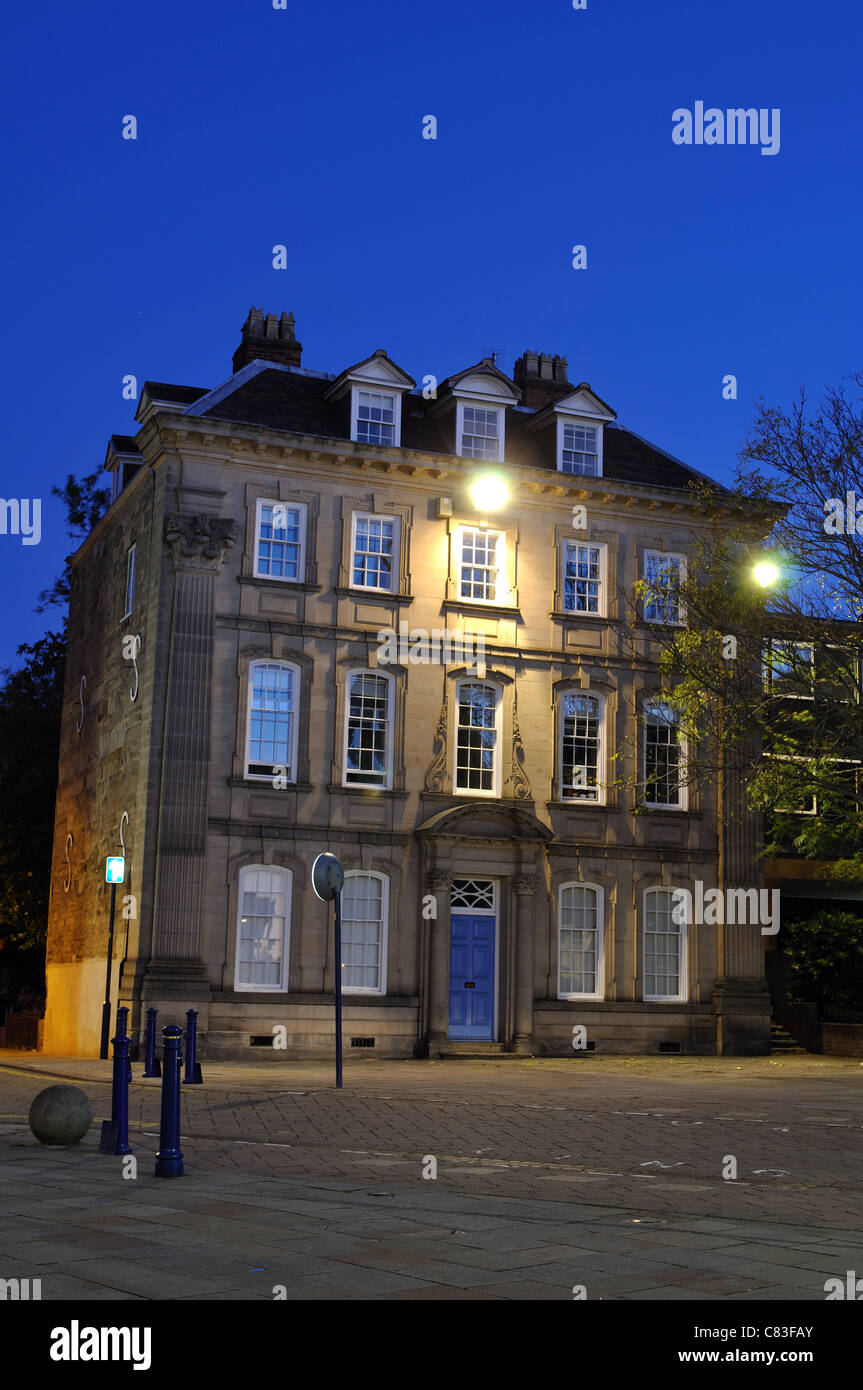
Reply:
x=280, y=541
x=480, y=433
x=476, y=757
x=368, y=756
x=373, y=553
x=663, y=574
x=663, y=760
x=480, y=565
x=664, y=947
x=581, y=745
x=273, y=695
x=364, y=906
x=582, y=578
x=579, y=449
x=263, y=929
x=580, y=942
x=130, y=582
x=376, y=417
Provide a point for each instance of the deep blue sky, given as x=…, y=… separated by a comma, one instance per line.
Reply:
x=303, y=126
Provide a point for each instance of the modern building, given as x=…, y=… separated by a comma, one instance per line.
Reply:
x=401, y=623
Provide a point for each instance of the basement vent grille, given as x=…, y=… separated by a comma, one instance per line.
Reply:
x=261, y=1040
x=669, y=1047
x=362, y=1042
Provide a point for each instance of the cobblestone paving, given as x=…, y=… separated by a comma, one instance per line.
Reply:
x=620, y=1162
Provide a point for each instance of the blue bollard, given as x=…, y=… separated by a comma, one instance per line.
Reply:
x=123, y=1075
x=115, y=1132
x=152, y=1066
x=169, y=1159
x=193, y=1067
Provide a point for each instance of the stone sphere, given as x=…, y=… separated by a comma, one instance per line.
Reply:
x=60, y=1115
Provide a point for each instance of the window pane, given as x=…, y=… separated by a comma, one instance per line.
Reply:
x=661, y=756
x=374, y=541
x=271, y=715
x=662, y=574
x=362, y=931
x=579, y=450
x=376, y=413
x=581, y=716
x=662, y=945
x=368, y=727
x=280, y=541
x=578, y=940
x=479, y=439
x=262, y=928
x=476, y=744
x=479, y=565
x=581, y=579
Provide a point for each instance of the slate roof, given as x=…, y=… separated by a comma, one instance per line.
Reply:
x=281, y=399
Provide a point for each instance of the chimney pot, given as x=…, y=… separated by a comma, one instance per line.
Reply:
x=270, y=337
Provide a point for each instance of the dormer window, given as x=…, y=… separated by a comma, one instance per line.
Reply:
x=578, y=448
x=375, y=389
x=375, y=417
x=480, y=433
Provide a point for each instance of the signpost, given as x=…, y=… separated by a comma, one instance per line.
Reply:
x=328, y=880
x=115, y=872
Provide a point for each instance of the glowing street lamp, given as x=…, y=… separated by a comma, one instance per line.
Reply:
x=489, y=492
x=765, y=573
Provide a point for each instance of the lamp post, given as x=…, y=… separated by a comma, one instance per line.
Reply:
x=328, y=880
x=115, y=872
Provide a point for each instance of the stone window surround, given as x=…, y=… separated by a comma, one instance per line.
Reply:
x=351, y=665
x=276, y=654
x=275, y=491
x=375, y=504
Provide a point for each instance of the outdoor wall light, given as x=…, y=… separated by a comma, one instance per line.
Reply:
x=489, y=492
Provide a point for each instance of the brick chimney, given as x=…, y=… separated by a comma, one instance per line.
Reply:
x=270, y=338
x=540, y=378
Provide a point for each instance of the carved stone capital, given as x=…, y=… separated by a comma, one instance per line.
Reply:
x=437, y=883
x=199, y=542
x=525, y=884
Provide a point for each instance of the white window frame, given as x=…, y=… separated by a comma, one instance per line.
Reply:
x=602, y=609
x=682, y=789
x=494, y=791
x=583, y=422
x=394, y=572
x=661, y=555
x=288, y=881
x=599, y=894
x=598, y=799
x=375, y=389
x=387, y=783
x=302, y=508
x=384, y=940
x=498, y=410
x=683, y=954
x=295, y=719
x=129, y=601
x=502, y=591
x=767, y=670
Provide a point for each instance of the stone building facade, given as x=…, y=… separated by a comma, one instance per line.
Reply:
x=397, y=622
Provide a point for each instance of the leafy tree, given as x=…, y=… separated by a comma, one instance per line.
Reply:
x=767, y=681
x=31, y=700
x=826, y=955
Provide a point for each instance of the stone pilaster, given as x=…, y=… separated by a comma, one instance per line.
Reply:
x=197, y=544
x=524, y=888
x=438, y=958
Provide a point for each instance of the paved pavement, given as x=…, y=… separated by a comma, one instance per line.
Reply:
x=613, y=1175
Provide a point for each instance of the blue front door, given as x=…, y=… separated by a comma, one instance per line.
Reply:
x=471, y=977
